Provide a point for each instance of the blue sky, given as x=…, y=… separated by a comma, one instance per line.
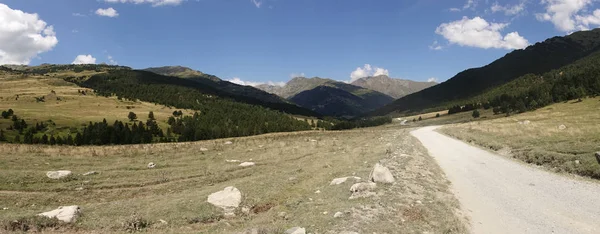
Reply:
x=271, y=40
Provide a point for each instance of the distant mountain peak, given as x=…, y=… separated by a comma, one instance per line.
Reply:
x=392, y=87
x=177, y=71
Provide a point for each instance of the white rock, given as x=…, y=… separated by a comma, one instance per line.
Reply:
x=562, y=127
x=325, y=212
x=526, y=122
x=66, y=214
x=337, y=181
x=296, y=230
x=338, y=214
x=58, y=174
x=341, y=180
x=577, y=162
x=163, y=221
x=228, y=199
x=202, y=149
x=381, y=174
x=228, y=143
x=151, y=165
x=232, y=160
x=245, y=210
x=363, y=187
x=247, y=164
x=90, y=173
x=318, y=191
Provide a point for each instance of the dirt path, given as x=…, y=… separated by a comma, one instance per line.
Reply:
x=503, y=196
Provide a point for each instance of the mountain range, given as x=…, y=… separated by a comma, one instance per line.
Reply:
x=335, y=98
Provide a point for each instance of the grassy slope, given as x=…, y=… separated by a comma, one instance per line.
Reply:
x=290, y=168
x=74, y=109
x=541, y=142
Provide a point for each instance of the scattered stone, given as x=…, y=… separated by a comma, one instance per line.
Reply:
x=5, y=208
x=338, y=214
x=419, y=202
x=562, y=127
x=163, y=221
x=381, y=174
x=577, y=162
x=325, y=212
x=228, y=143
x=313, y=140
x=362, y=190
x=232, y=161
x=362, y=187
x=58, y=174
x=318, y=191
x=79, y=189
x=228, y=199
x=90, y=173
x=66, y=214
x=203, y=149
x=292, y=178
x=341, y=180
x=526, y=122
x=245, y=210
x=151, y=165
x=247, y=164
x=296, y=230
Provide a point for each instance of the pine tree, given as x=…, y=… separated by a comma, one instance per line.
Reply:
x=2, y=137
x=132, y=116
x=52, y=140
x=151, y=116
x=44, y=139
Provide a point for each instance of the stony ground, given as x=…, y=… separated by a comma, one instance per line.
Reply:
x=289, y=185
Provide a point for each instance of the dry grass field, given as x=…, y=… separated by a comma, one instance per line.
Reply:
x=538, y=138
x=73, y=108
x=290, y=169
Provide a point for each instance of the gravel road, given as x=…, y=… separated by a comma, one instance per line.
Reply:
x=500, y=195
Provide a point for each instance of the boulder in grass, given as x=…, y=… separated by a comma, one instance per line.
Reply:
x=228, y=199
x=247, y=164
x=67, y=214
x=381, y=174
x=58, y=174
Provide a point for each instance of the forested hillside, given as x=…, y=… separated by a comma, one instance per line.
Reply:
x=577, y=80
x=215, y=82
x=536, y=59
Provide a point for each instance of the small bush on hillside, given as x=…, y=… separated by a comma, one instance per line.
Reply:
x=32, y=224
x=437, y=115
x=475, y=114
x=136, y=224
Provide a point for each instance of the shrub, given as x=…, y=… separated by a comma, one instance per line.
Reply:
x=136, y=224
x=437, y=115
x=34, y=224
x=475, y=114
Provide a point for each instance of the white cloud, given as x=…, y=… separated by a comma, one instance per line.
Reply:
x=237, y=80
x=79, y=15
x=108, y=12
x=84, y=59
x=454, y=9
x=471, y=4
x=435, y=46
x=257, y=3
x=565, y=14
x=367, y=71
x=588, y=20
x=154, y=3
x=508, y=10
x=477, y=32
x=74, y=31
x=432, y=79
x=23, y=36
x=111, y=60
x=294, y=75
